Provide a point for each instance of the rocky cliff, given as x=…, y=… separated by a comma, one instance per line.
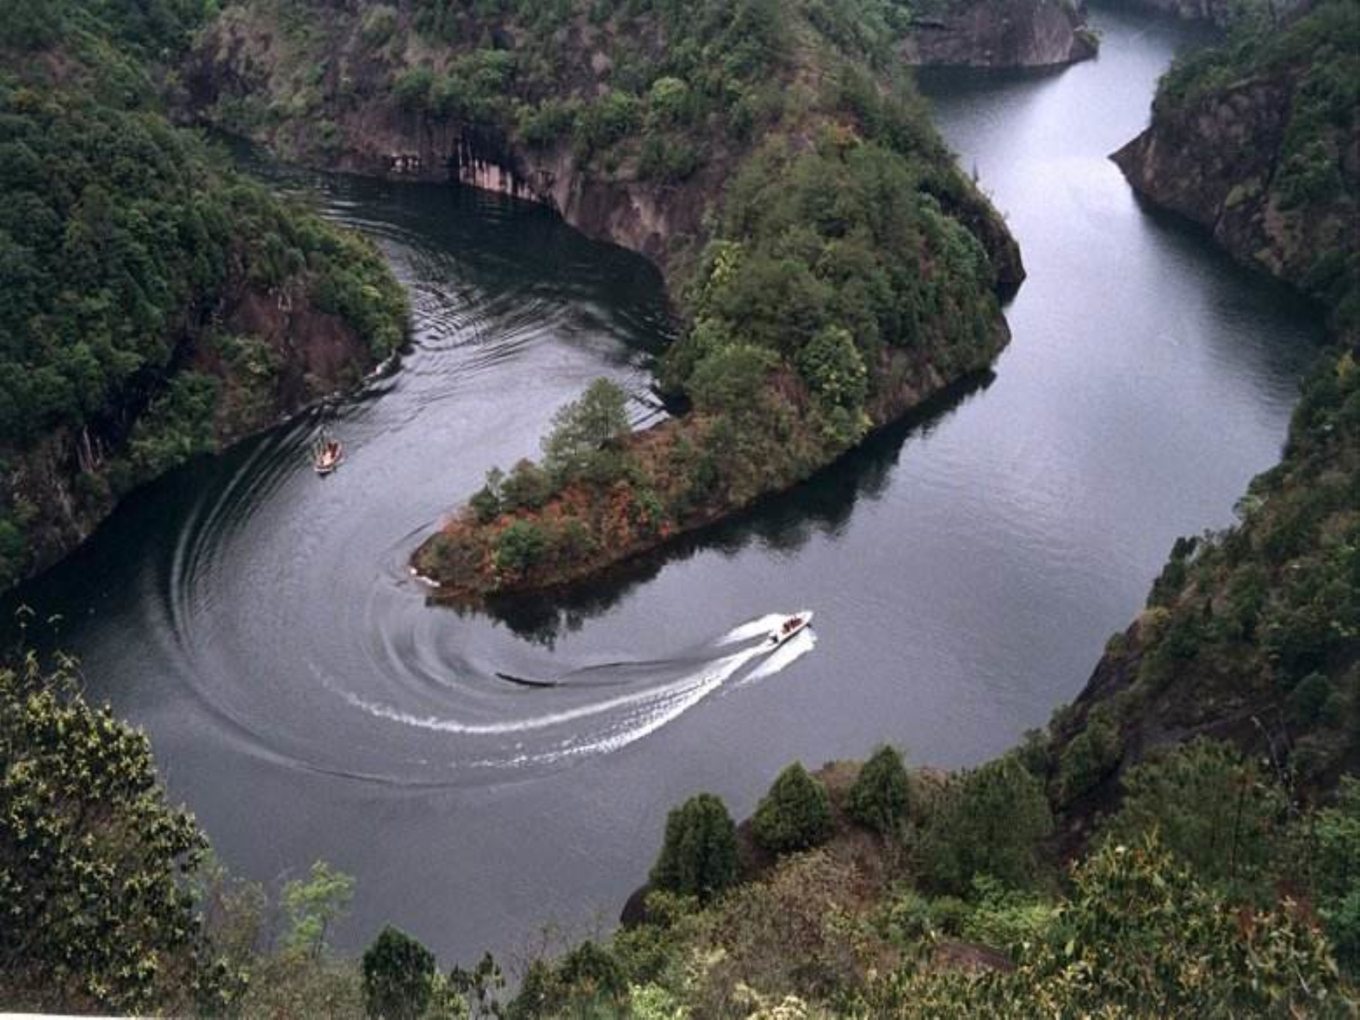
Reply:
x=1000, y=33
x=1251, y=635
x=1259, y=142
x=579, y=140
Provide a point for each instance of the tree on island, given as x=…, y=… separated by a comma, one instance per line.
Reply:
x=578, y=447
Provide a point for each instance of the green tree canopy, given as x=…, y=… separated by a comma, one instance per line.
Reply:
x=93, y=860
x=987, y=821
x=1212, y=806
x=699, y=854
x=399, y=976
x=584, y=429
x=881, y=793
x=794, y=815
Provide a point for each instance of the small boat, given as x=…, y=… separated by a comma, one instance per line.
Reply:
x=327, y=455
x=793, y=625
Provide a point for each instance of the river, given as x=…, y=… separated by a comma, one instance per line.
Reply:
x=965, y=569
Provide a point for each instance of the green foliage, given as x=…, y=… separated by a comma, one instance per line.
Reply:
x=1334, y=840
x=987, y=821
x=527, y=487
x=794, y=815
x=177, y=426
x=399, y=976
x=93, y=861
x=699, y=854
x=313, y=905
x=836, y=375
x=520, y=546
x=1091, y=755
x=1211, y=806
x=579, y=447
x=1139, y=937
x=881, y=794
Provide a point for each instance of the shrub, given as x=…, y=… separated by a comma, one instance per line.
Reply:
x=794, y=815
x=699, y=854
x=1090, y=756
x=881, y=793
x=527, y=487
x=398, y=976
x=92, y=860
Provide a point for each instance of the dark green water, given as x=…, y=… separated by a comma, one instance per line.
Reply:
x=965, y=570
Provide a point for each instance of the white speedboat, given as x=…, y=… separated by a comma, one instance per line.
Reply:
x=327, y=455
x=789, y=627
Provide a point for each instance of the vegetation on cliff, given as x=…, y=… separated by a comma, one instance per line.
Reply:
x=1253, y=634
x=1256, y=140
x=1146, y=923
x=129, y=257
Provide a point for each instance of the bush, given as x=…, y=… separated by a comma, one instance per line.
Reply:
x=527, y=487
x=794, y=815
x=92, y=860
x=398, y=976
x=699, y=854
x=1090, y=756
x=881, y=793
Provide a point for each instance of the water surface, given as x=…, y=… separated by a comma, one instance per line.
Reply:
x=965, y=569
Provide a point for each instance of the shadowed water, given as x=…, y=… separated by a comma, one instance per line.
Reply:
x=965, y=568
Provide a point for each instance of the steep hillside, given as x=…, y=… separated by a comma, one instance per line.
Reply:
x=1254, y=634
x=155, y=305
x=1259, y=141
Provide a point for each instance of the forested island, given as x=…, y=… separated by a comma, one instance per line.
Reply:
x=1182, y=839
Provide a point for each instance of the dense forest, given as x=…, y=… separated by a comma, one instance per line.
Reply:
x=156, y=304
x=1181, y=840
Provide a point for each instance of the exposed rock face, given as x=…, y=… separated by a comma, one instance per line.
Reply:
x=1001, y=33
x=377, y=137
x=1220, y=160
x=240, y=59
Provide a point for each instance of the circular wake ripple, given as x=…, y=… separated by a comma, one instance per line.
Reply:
x=287, y=608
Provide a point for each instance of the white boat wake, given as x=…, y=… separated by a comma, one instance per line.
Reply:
x=574, y=721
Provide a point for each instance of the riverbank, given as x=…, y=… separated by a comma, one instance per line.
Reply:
x=157, y=306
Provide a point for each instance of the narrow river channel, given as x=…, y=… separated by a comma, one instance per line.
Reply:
x=965, y=568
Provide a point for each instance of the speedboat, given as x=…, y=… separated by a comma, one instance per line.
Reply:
x=327, y=456
x=791, y=626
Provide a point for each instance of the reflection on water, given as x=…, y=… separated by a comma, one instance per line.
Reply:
x=784, y=523
x=965, y=570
